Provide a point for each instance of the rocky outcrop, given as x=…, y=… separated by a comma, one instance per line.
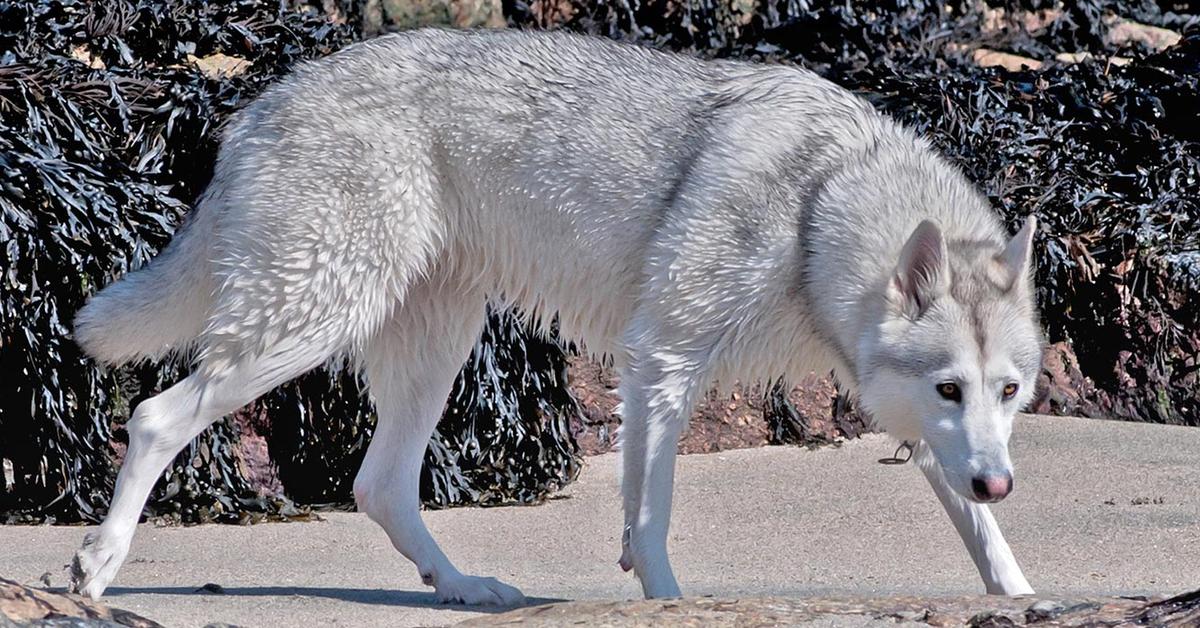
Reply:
x=739, y=416
x=25, y=606
x=975, y=612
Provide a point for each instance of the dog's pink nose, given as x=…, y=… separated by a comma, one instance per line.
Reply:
x=992, y=488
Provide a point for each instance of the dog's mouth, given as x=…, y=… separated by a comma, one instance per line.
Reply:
x=969, y=495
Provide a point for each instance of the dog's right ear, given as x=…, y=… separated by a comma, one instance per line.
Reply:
x=1015, y=258
x=923, y=273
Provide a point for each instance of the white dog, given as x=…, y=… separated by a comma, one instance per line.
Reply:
x=696, y=221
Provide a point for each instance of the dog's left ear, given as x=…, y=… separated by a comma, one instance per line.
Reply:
x=1015, y=259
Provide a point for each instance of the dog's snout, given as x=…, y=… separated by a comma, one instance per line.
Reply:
x=992, y=488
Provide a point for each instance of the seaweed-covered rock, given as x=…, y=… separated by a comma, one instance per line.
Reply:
x=504, y=436
x=110, y=113
x=972, y=611
x=108, y=128
x=743, y=416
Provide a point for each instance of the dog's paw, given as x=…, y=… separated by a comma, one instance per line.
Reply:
x=660, y=589
x=658, y=582
x=94, y=566
x=474, y=590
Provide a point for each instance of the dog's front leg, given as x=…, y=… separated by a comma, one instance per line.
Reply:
x=978, y=529
x=657, y=397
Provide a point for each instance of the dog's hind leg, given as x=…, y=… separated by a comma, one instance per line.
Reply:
x=159, y=429
x=658, y=390
x=411, y=366
x=977, y=527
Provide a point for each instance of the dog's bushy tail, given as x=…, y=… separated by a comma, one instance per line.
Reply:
x=160, y=308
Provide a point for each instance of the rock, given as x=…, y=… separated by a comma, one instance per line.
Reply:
x=1062, y=386
x=1124, y=32
x=990, y=619
x=975, y=611
x=1181, y=610
x=384, y=15
x=1043, y=610
x=212, y=588
x=1080, y=57
x=1011, y=62
x=912, y=616
x=736, y=418
x=1073, y=57
x=996, y=20
x=219, y=66
x=24, y=606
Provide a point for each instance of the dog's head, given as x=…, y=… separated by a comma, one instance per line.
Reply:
x=955, y=352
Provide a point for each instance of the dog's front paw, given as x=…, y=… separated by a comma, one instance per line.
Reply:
x=474, y=590
x=661, y=587
x=95, y=565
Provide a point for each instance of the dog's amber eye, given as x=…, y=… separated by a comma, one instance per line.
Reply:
x=949, y=390
x=1010, y=391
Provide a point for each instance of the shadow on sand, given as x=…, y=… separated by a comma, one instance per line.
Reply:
x=378, y=597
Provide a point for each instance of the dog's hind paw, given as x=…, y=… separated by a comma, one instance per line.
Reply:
x=94, y=567
x=473, y=590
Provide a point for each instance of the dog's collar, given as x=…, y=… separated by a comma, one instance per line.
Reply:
x=907, y=447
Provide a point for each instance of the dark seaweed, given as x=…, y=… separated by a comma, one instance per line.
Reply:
x=503, y=438
x=108, y=131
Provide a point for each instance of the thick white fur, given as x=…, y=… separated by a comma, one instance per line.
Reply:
x=695, y=221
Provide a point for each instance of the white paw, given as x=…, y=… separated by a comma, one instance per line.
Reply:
x=1011, y=589
x=95, y=565
x=656, y=577
x=473, y=590
x=661, y=587
x=653, y=570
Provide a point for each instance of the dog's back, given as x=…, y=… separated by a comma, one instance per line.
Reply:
x=545, y=166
